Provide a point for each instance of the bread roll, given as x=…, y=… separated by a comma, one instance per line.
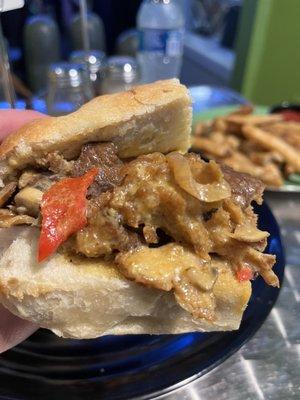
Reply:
x=148, y=118
x=86, y=298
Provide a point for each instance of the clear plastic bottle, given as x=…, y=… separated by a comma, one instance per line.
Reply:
x=161, y=28
x=41, y=48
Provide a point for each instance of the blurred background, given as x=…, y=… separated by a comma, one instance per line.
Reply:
x=62, y=53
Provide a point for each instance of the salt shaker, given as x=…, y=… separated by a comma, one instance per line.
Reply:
x=69, y=87
x=96, y=62
x=122, y=73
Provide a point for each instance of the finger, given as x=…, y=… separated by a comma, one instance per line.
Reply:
x=13, y=330
x=11, y=120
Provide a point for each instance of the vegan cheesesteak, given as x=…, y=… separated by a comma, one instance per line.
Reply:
x=109, y=226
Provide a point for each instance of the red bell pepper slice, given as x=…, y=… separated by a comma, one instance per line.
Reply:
x=244, y=274
x=63, y=210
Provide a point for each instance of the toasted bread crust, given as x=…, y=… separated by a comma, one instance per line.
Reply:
x=148, y=118
x=87, y=298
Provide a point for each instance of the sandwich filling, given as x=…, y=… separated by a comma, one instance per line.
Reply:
x=143, y=214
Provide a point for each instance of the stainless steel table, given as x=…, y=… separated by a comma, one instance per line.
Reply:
x=268, y=366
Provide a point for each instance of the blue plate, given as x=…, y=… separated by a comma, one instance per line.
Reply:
x=46, y=367
x=209, y=97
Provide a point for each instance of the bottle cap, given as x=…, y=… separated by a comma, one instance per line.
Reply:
x=68, y=74
x=95, y=59
x=123, y=67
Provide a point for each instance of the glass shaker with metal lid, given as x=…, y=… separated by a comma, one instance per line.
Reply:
x=96, y=63
x=122, y=73
x=69, y=87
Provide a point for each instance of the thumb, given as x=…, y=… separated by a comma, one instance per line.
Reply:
x=13, y=330
x=11, y=120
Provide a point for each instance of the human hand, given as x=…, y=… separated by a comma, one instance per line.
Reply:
x=14, y=330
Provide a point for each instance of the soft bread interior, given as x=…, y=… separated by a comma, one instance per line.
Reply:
x=148, y=118
x=85, y=298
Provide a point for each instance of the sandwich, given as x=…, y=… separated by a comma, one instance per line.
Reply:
x=109, y=226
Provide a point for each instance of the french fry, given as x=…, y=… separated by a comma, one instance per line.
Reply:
x=253, y=119
x=271, y=142
x=289, y=169
x=265, y=157
x=209, y=147
x=243, y=110
x=200, y=128
x=265, y=146
x=269, y=174
x=219, y=124
x=288, y=131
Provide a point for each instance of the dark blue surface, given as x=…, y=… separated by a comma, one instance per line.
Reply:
x=208, y=97
x=46, y=367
